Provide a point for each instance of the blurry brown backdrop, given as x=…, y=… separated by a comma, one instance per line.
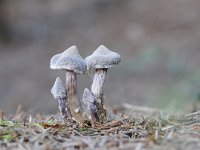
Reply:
x=159, y=43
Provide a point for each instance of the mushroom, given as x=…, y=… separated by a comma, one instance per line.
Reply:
x=72, y=63
x=59, y=93
x=91, y=109
x=101, y=59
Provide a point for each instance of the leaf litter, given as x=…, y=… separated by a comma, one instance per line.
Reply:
x=143, y=128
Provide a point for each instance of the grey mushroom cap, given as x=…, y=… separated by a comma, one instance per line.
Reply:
x=88, y=96
x=58, y=89
x=69, y=60
x=102, y=57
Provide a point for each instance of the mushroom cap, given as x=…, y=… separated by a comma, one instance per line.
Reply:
x=58, y=89
x=88, y=97
x=102, y=57
x=69, y=60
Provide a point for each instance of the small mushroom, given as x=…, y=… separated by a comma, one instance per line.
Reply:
x=72, y=63
x=59, y=93
x=101, y=59
x=91, y=109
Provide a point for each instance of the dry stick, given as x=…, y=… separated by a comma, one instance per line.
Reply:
x=97, y=90
x=18, y=113
x=111, y=125
x=1, y=115
x=192, y=122
x=75, y=106
x=140, y=108
x=156, y=134
x=177, y=125
x=192, y=114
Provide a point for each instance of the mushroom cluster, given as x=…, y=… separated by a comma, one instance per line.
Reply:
x=92, y=106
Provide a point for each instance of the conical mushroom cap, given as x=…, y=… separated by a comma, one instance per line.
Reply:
x=58, y=89
x=87, y=96
x=102, y=57
x=69, y=60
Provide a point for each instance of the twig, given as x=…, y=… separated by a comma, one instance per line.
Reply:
x=182, y=124
x=18, y=113
x=111, y=125
x=140, y=108
x=192, y=114
x=1, y=115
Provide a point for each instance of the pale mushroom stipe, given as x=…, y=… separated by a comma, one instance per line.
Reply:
x=59, y=93
x=72, y=63
x=101, y=59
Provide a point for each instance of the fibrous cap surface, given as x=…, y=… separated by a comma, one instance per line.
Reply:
x=69, y=60
x=102, y=57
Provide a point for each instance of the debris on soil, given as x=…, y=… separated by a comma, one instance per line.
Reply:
x=160, y=131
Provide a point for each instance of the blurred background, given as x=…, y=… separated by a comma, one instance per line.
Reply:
x=159, y=43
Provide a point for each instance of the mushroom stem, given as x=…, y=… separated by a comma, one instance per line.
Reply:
x=75, y=106
x=62, y=105
x=97, y=91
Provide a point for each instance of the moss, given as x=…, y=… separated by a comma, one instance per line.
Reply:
x=7, y=137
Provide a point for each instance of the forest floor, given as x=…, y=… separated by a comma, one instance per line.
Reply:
x=130, y=127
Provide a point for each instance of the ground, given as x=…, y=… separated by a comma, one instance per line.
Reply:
x=143, y=128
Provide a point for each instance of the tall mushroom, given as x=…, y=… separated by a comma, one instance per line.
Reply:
x=72, y=63
x=101, y=59
x=59, y=93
